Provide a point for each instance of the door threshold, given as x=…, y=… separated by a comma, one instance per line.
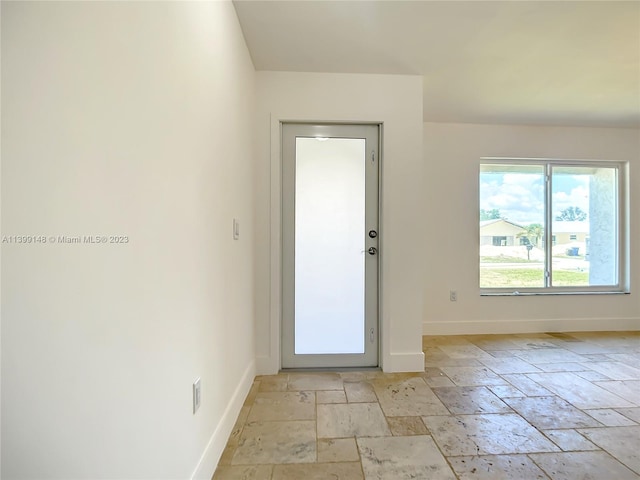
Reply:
x=330, y=369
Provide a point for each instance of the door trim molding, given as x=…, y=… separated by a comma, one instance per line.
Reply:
x=272, y=364
x=369, y=133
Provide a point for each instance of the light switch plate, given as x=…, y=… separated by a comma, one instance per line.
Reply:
x=196, y=395
x=236, y=229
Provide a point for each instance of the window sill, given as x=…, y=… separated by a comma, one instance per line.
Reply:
x=546, y=293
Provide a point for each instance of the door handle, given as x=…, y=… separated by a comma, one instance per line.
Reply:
x=372, y=250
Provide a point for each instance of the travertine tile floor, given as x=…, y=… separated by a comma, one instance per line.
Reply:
x=517, y=407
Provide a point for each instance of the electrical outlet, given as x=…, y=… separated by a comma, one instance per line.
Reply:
x=196, y=395
x=453, y=295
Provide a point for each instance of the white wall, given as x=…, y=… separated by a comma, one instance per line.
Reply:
x=395, y=101
x=127, y=118
x=452, y=154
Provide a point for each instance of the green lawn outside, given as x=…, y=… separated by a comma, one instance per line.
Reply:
x=505, y=259
x=529, y=278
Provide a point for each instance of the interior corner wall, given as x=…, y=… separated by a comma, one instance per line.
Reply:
x=130, y=120
x=452, y=154
x=396, y=102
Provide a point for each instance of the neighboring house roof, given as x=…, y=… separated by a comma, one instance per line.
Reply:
x=484, y=223
x=500, y=227
x=557, y=226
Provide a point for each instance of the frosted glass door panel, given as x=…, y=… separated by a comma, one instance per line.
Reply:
x=329, y=246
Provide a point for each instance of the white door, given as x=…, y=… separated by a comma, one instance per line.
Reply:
x=330, y=176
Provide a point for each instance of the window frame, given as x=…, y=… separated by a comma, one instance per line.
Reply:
x=622, y=285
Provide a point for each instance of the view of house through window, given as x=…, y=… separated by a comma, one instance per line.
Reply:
x=548, y=225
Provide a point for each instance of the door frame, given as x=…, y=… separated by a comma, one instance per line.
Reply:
x=272, y=362
x=371, y=355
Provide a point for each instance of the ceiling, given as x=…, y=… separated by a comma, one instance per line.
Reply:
x=525, y=62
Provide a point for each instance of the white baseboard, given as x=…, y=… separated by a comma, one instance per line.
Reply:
x=213, y=451
x=475, y=327
x=404, y=362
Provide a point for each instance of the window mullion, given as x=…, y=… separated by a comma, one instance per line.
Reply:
x=548, y=235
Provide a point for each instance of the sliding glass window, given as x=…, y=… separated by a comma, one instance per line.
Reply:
x=552, y=227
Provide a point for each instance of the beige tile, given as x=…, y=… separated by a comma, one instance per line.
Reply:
x=620, y=442
x=633, y=360
x=627, y=389
x=314, y=381
x=532, y=345
x=496, y=467
x=277, y=442
x=451, y=362
x=551, y=413
x=393, y=378
x=596, y=357
x=439, y=382
x=501, y=433
x=251, y=396
x=492, y=343
x=359, y=392
x=582, y=465
x=243, y=415
x=319, y=471
x=351, y=419
x=362, y=376
x=549, y=355
x=509, y=365
x=432, y=372
x=561, y=367
x=242, y=472
x=534, y=340
x=332, y=450
x=409, y=398
x=501, y=353
x=505, y=391
x=228, y=453
x=270, y=406
x=616, y=339
x=433, y=355
x=584, y=348
x=403, y=458
x=594, y=371
x=526, y=385
x=467, y=400
x=569, y=440
x=331, y=396
x=632, y=351
x=578, y=391
x=631, y=413
x=565, y=337
x=464, y=351
x=234, y=437
x=406, y=426
x=592, y=376
x=472, y=376
x=610, y=418
x=615, y=370
x=273, y=383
